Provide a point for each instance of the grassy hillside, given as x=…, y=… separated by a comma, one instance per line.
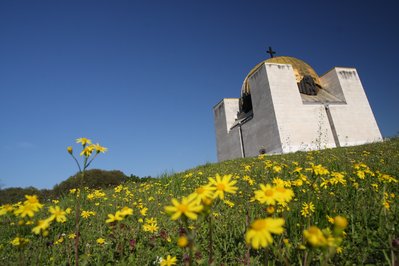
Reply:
x=337, y=206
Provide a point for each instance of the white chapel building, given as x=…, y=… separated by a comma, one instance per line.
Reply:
x=286, y=107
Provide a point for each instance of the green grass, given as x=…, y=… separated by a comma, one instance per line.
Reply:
x=371, y=229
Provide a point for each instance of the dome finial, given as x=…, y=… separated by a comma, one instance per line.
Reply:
x=271, y=52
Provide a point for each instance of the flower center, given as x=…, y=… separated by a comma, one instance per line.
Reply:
x=183, y=208
x=269, y=193
x=220, y=186
x=200, y=190
x=259, y=225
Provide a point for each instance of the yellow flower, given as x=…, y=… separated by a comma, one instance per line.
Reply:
x=318, y=169
x=314, y=236
x=32, y=200
x=150, y=220
x=118, y=189
x=19, y=241
x=248, y=179
x=203, y=193
x=25, y=210
x=143, y=211
x=72, y=236
x=337, y=178
x=4, y=209
x=188, y=207
x=87, y=214
x=150, y=227
x=182, y=241
x=100, y=241
x=99, y=148
x=229, y=203
x=277, y=168
x=330, y=219
x=297, y=170
x=57, y=214
x=222, y=185
x=360, y=174
x=338, y=250
x=298, y=182
x=386, y=178
x=91, y=196
x=307, y=209
x=69, y=149
x=247, y=168
x=259, y=234
x=266, y=194
x=84, y=141
x=59, y=241
x=340, y=222
x=41, y=226
x=126, y=211
x=270, y=209
x=283, y=195
x=114, y=218
x=87, y=151
x=169, y=261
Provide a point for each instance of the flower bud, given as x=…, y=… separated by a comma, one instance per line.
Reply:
x=182, y=241
x=69, y=149
x=340, y=222
x=270, y=209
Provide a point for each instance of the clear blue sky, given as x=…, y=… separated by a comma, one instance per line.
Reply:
x=141, y=77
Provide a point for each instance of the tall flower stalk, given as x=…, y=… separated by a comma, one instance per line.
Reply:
x=89, y=153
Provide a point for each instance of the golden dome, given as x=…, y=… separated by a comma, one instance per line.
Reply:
x=300, y=70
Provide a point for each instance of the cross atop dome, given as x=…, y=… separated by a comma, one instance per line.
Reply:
x=271, y=52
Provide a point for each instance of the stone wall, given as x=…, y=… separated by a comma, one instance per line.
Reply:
x=354, y=121
x=227, y=141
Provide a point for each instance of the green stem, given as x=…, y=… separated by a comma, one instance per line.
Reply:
x=210, y=241
x=247, y=254
x=76, y=246
x=77, y=215
x=77, y=163
x=190, y=241
x=91, y=160
x=305, y=258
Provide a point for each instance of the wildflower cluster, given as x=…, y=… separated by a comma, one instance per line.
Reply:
x=30, y=206
x=193, y=204
x=327, y=239
x=88, y=147
x=119, y=215
x=271, y=209
x=273, y=194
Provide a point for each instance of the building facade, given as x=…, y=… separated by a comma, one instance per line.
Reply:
x=286, y=107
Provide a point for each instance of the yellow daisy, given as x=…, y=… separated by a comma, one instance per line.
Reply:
x=168, y=261
x=188, y=207
x=259, y=234
x=267, y=194
x=57, y=214
x=222, y=184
